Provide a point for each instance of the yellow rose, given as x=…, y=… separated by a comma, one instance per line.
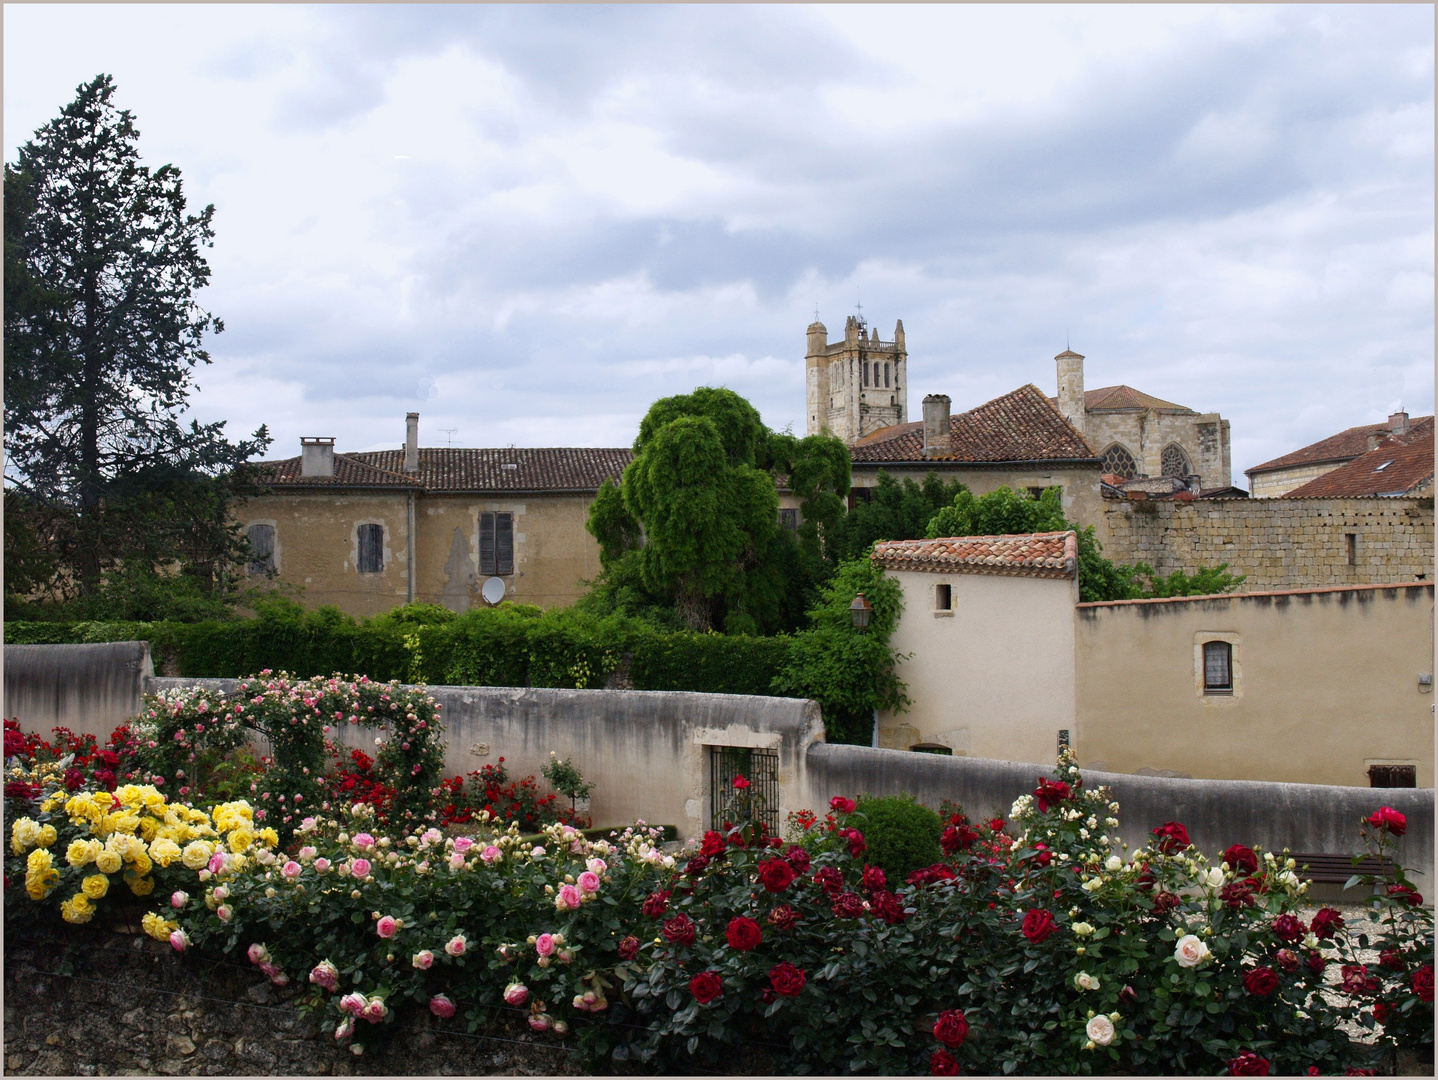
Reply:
x=197, y=854
x=42, y=884
x=24, y=835
x=158, y=927
x=130, y=795
x=164, y=851
x=240, y=840
x=152, y=796
x=39, y=861
x=95, y=886
x=108, y=861
x=148, y=828
x=77, y=909
x=269, y=837
x=142, y=886
x=48, y=835
x=53, y=802
x=81, y=852
x=142, y=862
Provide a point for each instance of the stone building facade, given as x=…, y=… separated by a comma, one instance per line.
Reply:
x=857, y=385
x=1291, y=471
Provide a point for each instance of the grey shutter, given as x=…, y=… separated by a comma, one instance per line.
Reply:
x=262, y=548
x=486, y=544
x=371, y=549
x=503, y=544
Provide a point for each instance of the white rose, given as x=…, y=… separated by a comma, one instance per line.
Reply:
x=1082, y=929
x=1190, y=951
x=1084, y=981
x=1214, y=878
x=1100, y=1030
x=1113, y=863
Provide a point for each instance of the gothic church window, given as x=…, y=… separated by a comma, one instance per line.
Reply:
x=1174, y=461
x=865, y=366
x=886, y=374
x=1117, y=460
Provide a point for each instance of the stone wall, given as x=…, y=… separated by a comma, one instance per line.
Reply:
x=1278, y=543
x=86, y=688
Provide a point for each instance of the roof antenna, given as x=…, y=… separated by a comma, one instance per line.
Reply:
x=449, y=432
x=1067, y=347
x=816, y=312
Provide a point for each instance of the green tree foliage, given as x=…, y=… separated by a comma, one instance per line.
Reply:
x=102, y=333
x=895, y=510
x=903, y=835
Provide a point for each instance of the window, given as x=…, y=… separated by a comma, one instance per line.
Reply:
x=1351, y=542
x=1393, y=776
x=1217, y=667
x=886, y=374
x=865, y=366
x=876, y=373
x=262, y=549
x=1117, y=460
x=932, y=748
x=1174, y=461
x=496, y=545
x=759, y=801
x=943, y=597
x=1063, y=739
x=371, y=549
x=859, y=495
x=789, y=519
x=1035, y=493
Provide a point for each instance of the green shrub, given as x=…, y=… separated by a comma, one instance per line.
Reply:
x=903, y=835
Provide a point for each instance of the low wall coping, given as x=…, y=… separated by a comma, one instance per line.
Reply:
x=1267, y=592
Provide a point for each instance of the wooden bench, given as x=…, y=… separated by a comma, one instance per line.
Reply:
x=1327, y=869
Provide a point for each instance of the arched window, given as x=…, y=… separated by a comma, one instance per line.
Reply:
x=886, y=374
x=876, y=373
x=865, y=366
x=1117, y=460
x=1175, y=461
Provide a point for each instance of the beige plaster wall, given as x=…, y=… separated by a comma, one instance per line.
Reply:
x=994, y=678
x=1271, y=485
x=1326, y=683
x=1278, y=543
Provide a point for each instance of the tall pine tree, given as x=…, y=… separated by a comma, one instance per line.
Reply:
x=102, y=336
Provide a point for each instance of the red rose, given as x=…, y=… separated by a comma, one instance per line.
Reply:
x=679, y=930
x=1042, y=855
x=1237, y=894
x=1289, y=928
x=776, y=875
x=1313, y=1070
x=951, y=1028
x=1403, y=894
x=1145, y=878
x=1165, y=902
x=1392, y=958
x=740, y=783
x=996, y=824
x=1388, y=819
x=957, y=838
x=1326, y=922
x=1356, y=979
x=887, y=906
x=14, y=743
x=1354, y=1070
x=1248, y=1064
x=656, y=903
x=857, y=844
x=1423, y=982
x=1261, y=981
x=1287, y=959
x=943, y=1063
x=829, y=879
x=1048, y=795
x=1381, y=1011
x=105, y=778
x=20, y=789
x=73, y=779
x=1038, y=925
x=786, y=979
x=1316, y=963
x=798, y=858
x=848, y=905
x=873, y=879
x=706, y=986
x=110, y=758
x=1241, y=860
x=783, y=917
x=697, y=865
x=930, y=875
x=628, y=947
x=843, y=805
x=1173, y=838
x=743, y=934
x=713, y=845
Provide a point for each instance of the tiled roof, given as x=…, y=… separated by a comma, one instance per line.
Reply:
x=1394, y=468
x=1345, y=446
x=1053, y=554
x=1020, y=426
x=1125, y=397
x=454, y=468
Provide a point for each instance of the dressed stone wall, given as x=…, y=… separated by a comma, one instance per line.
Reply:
x=1278, y=543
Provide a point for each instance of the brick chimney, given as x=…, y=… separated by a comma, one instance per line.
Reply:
x=1398, y=423
x=938, y=434
x=317, y=456
x=411, y=442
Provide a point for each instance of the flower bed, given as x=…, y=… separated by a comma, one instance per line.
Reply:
x=1033, y=946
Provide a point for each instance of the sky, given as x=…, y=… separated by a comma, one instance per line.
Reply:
x=527, y=223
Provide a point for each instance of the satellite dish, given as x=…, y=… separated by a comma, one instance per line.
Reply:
x=493, y=590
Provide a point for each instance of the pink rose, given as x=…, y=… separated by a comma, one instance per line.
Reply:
x=217, y=862
x=456, y=861
x=568, y=898
x=364, y=841
x=441, y=1006
x=424, y=960
x=544, y=945
x=179, y=899
x=179, y=941
x=322, y=865
x=308, y=852
x=596, y=866
x=224, y=912
x=375, y=1010
x=589, y=882
x=456, y=945
x=386, y=927
x=491, y=855
x=221, y=891
x=462, y=844
x=291, y=869
x=516, y=993
x=353, y=1004
x=258, y=954
x=540, y=1022
x=360, y=867
x=325, y=974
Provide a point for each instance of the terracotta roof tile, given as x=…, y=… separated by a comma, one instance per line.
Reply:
x=1345, y=446
x=1394, y=468
x=1020, y=426
x=453, y=468
x=1053, y=554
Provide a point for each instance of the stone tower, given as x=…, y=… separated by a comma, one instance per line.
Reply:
x=1070, y=400
x=857, y=385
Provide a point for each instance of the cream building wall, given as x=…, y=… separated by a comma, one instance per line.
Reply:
x=1326, y=683
x=1279, y=482
x=993, y=678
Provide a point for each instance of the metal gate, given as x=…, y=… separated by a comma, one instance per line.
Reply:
x=757, y=802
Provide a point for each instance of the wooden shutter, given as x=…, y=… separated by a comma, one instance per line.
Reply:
x=504, y=544
x=262, y=548
x=371, y=549
x=486, y=544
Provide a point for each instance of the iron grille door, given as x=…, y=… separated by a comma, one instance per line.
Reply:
x=760, y=799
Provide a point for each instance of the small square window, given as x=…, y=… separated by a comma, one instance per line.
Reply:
x=1217, y=667
x=1036, y=493
x=943, y=597
x=789, y=519
x=1391, y=776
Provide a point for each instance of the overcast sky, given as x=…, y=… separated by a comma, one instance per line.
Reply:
x=527, y=223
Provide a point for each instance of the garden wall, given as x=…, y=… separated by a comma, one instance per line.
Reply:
x=1302, y=817
x=86, y=688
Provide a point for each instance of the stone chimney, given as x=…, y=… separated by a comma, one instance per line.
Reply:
x=938, y=435
x=1070, y=396
x=317, y=456
x=411, y=442
x=1398, y=423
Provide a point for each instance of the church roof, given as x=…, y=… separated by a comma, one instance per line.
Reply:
x=1345, y=446
x=1022, y=425
x=1108, y=398
x=1393, y=468
x=454, y=468
x=1053, y=554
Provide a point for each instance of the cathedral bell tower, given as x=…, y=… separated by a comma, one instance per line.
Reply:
x=857, y=385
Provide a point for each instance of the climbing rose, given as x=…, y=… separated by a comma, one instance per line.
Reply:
x=386, y=927
x=776, y=875
x=740, y=783
x=951, y=1028
x=1048, y=795
x=1287, y=959
x=848, y=905
x=706, y=986
x=423, y=960
x=799, y=859
x=829, y=879
x=1390, y=820
x=1356, y=980
x=441, y=1006
x=1038, y=925
x=943, y=1063
x=957, y=838
x=544, y=945
x=787, y=979
x=516, y=993
x=873, y=879
x=783, y=917
x=886, y=905
x=1326, y=922
x=1248, y=1064
x=857, y=844
x=456, y=945
x=713, y=845
x=1289, y=928
x=1423, y=982
x=1173, y=837
x=1403, y=894
x=1261, y=981
x=743, y=934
